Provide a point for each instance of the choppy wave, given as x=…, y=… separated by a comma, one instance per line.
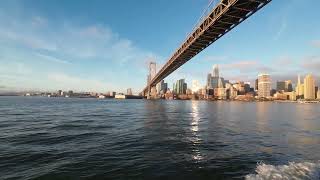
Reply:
x=304, y=170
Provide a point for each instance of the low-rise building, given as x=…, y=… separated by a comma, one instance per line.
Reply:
x=220, y=93
x=292, y=96
x=280, y=96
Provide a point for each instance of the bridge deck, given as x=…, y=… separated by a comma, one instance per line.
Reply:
x=224, y=17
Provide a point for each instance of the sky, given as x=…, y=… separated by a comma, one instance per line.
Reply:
x=105, y=46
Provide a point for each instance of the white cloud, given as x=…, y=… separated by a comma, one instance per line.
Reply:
x=36, y=39
x=240, y=65
x=64, y=81
x=52, y=59
x=14, y=68
x=93, y=41
x=215, y=58
x=312, y=63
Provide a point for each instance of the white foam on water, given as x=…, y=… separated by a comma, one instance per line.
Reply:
x=294, y=171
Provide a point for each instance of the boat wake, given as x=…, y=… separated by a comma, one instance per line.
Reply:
x=304, y=170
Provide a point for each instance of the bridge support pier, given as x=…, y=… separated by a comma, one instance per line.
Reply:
x=148, y=92
x=152, y=92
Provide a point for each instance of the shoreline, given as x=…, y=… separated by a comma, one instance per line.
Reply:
x=93, y=97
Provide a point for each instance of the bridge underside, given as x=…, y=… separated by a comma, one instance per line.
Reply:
x=224, y=17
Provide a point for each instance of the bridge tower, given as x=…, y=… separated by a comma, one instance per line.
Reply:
x=152, y=74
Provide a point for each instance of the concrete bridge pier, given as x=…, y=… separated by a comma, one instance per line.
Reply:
x=152, y=92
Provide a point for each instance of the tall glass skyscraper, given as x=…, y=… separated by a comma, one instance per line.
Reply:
x=214, y=80
x=215, y=71
x=181, y=87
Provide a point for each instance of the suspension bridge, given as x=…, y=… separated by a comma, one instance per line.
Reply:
x=225, y=16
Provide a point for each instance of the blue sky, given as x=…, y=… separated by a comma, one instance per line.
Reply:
x=105, y=45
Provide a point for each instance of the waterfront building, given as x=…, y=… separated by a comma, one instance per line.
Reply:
x=256, y=85
x=228, y=85
x=272, y=92
x=280, y=96
x=185, y=87
x=318, y=94
x=209, y=85
x=215, y=71
x=281, y=86
x=299, y=89
x=289, y=87
x=220, y=93
x=214, y=80
x=195, y=86
x=189, y=92
x=264, y=85
x=168, y=95
x=240, y=86
x=233, y=93
x=291, y=95
x=309, y=87
x=217, y=82
x=246, y=87
x=70, y=93
x=60, y=93
x=285, y=86
x=180, y=87
x=210, y=92
x=161, y=87
x=129, y=91
x=221, y=83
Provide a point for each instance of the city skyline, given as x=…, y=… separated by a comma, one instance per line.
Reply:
x=44, y=51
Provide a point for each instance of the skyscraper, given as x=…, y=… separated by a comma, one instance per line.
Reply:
x=264, y=85
x=309, y=87
x=162, y=87
x=220, y=83
x=209, y=85
x=299, y=89
x=181, y=87
x=215, y=71
x=214, y=80
x=256, y=84
x=289, y=87
x=281, y=85
x=285, y=86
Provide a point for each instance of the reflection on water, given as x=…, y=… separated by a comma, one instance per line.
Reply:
x=196, y=140
x=262, y=115
x=60, y=138
x=195, y=117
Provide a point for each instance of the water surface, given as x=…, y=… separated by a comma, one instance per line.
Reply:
x=60, y=138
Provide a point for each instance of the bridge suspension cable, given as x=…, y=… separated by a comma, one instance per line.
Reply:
x=203, y=15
